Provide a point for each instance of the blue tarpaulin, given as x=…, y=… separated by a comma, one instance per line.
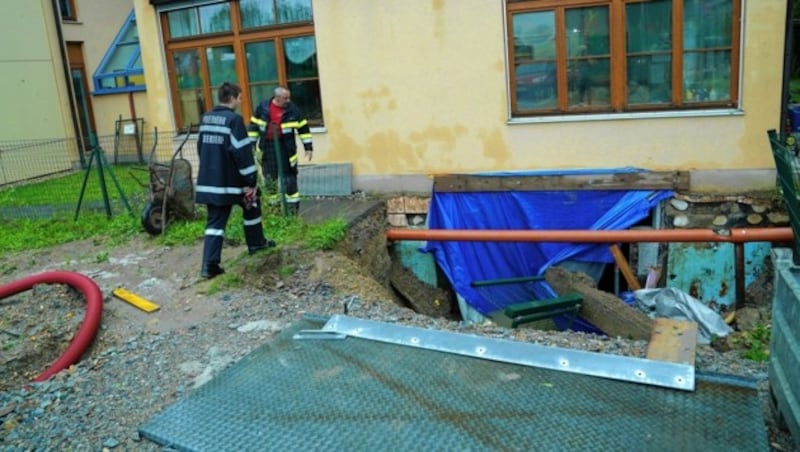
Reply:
x=466, y=262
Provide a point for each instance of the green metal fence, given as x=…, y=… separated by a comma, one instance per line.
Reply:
x=787, y=163
x=50, y=177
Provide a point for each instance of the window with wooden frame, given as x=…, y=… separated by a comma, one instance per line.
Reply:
x=67, y=10
x=256, y=44
x=610, y=56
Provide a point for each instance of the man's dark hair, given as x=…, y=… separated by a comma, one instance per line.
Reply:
x=227, y=92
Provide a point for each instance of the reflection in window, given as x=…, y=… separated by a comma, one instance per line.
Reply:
x=121, y=68
x=707, y=51
x=258, y=13
x=202, y=40
x=588, y=61
x=262, y=69
x=534, y=60
x=221, y=65
x=300, y=58
x=578, y=78
x=191, y=101
x=215, y=18
x=649, y=46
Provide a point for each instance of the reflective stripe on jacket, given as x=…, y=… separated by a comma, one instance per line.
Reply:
x=226, y=158
x=291, y=121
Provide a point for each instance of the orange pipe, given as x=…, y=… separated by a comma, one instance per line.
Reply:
x=739, y=235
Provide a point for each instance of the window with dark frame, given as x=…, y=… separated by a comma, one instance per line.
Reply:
x=608, y=56
x=254, y=43
x=67, y=9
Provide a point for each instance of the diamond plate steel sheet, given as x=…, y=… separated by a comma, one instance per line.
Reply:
x=358, y=394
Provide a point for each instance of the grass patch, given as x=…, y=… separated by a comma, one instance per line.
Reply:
x=794, y=90
x=21, y=234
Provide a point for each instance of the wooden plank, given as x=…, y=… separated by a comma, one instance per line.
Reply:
x=654, y=180
x=600, y=308
x=673, y=341
x=622, y=263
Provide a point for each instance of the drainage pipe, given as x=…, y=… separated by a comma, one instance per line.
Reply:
x=91, y=319
x=737, y=236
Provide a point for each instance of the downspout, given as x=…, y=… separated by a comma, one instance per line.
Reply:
x=68, y=78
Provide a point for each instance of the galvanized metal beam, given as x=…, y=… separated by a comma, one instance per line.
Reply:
x=636, y=370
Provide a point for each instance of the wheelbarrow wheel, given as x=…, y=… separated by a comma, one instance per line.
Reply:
x=152, y=219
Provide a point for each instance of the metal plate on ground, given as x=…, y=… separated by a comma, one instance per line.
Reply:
x=358, y=394
x=647, y=371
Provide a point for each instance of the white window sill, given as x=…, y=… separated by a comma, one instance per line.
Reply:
x=636, y=115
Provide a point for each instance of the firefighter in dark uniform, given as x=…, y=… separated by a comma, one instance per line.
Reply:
x=227, y=176
x=280, y=116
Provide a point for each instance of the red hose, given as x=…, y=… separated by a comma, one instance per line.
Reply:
x=91, y=319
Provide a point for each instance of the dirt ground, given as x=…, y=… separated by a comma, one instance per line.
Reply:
x=37, y=325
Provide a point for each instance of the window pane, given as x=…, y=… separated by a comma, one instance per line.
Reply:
x=536, y=85
x=221, y=65
x=182, y=23
x=588, y=62
x=294, y=11
x=256, y=13
x=261, y=62
x=215, y=18
x=191, y=102
x=534, y=36
x=120, y=58
x=707, y=24
x=649, y=52
x=707, y=76
x=649, y=26
x=300, y=57
x=67, y=10
x=262, y=70
x=307, y=96
x=131, y=33
x=261, y=91
x=650, y=79
x=534, y=58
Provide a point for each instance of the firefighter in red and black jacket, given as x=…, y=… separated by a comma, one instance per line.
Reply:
x=279, y=115
x=227, y=176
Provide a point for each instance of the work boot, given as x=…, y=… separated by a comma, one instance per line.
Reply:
x=294, y=209
x=211, y=270
x=267, y=245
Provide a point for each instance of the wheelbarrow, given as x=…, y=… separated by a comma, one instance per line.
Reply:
x=171, y=190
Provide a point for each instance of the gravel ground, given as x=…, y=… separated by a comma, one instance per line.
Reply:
x=141, y=363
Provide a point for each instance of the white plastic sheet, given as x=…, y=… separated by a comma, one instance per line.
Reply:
x=675, y=304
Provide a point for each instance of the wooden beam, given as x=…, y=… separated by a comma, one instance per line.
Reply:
x=654, y=180
x=673, y=341
x=624, y=268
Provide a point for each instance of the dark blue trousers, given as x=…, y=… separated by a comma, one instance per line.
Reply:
x=215, y=230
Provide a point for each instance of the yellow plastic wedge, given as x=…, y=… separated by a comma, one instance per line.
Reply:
x=136, y=300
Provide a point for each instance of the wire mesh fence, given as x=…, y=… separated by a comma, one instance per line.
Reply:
x=112, y=173
x=53, y=178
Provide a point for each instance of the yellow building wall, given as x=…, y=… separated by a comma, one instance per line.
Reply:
x=97, y=25
x=420, y=87
x=35, y=100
